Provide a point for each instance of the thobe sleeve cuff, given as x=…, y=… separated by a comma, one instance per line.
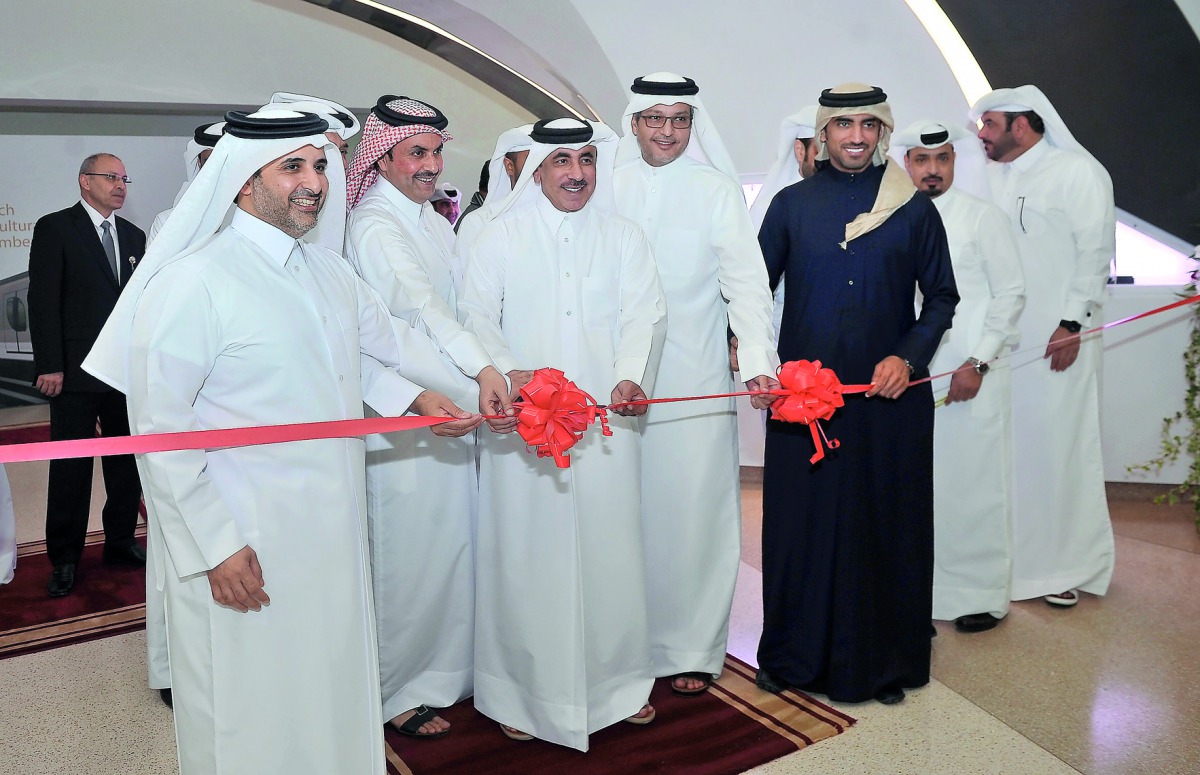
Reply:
x=389, y=394
x=755, y=361
x=988, y=347
x=505, y=362
x=187, y=557
x=632, y=369
x=468, y=353
x=198, y=528
x=1077, y=311
x=220, y=544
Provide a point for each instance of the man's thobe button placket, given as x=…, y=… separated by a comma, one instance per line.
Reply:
x=568, y=313
x=341, y=378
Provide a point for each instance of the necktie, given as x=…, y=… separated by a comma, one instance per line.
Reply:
x=110, y=249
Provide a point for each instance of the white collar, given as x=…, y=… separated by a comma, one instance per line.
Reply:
x=1025, y=161
x=407, y=207
x=554, y=218
x=945, y=199
x=96, y=217
x=649, y=171
x=277, y=245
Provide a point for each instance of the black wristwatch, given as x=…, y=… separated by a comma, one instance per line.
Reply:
x=981, y=367
x=1071, y=326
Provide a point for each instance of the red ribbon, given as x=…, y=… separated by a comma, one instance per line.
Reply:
x=217, y=438
x=814, y=393
x=554, y=415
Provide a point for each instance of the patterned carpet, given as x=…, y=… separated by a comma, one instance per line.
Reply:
x=732, y=728
x=107, y=600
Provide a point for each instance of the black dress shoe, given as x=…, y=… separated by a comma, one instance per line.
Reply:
x=975, y=623
x=770, y=683
x=62, y=580
x=131, y=553
x=166, y=697
x=890, y=696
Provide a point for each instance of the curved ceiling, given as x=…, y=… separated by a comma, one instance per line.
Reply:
x=1138, y=50
x=480, y=47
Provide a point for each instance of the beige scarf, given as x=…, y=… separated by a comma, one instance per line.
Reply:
x=895, y=190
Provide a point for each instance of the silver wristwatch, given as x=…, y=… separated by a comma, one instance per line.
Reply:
x=981, y=367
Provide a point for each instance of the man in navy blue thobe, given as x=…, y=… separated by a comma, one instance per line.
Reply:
x=848, y=542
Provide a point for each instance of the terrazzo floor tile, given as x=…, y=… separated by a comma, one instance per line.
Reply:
x=1110, y=686
x=935, y=731
x=84, y=709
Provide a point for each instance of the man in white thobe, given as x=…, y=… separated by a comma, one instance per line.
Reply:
x=1060, y=202
x=559, y=280
x=972, y=432
x=507, y=162
x=795, y=159
x=422, y=493
x=674, y=178
x=343, y=124
x=445, y=201
x=198, y=149
x=263, y=548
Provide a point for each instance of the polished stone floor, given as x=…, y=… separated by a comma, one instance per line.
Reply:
x=1111, y=686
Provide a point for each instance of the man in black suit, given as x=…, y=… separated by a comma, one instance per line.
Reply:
x=79, y=260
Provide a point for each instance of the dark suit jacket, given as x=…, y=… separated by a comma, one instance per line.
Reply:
x=72, y=290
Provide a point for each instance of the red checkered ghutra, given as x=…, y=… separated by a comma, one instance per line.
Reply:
x=378, y=138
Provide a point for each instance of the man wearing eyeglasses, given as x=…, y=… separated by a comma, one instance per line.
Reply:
x=79, y=260
x=675, y=179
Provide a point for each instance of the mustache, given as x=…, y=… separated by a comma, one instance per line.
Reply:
x=574, y=182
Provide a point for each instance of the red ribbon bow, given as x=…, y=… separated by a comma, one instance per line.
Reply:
x=554, y=415
x=814, y=394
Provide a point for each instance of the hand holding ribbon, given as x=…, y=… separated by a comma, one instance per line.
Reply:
x=626, y=399
x=458, y=423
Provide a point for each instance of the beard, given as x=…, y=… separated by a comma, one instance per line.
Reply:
x=278, y=211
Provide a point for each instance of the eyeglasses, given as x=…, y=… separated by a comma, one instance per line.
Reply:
x=111, y=176
x=658, y=122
